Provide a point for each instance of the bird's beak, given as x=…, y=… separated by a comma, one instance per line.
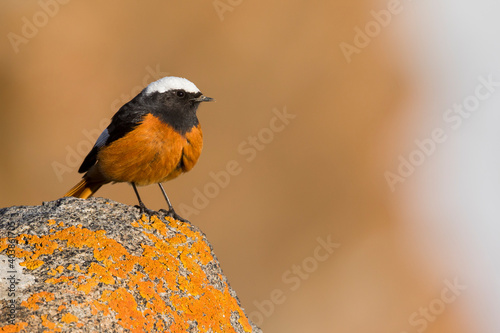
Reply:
x=203, y=98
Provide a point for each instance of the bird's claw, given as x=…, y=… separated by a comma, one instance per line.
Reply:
x=144, y=210
x=173, y=215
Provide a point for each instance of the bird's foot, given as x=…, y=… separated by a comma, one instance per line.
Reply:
x=146, y=211
x=173, y=214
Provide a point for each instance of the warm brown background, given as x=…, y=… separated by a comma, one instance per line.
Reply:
x=322, y=175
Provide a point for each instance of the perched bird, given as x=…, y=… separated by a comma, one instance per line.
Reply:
x=153, y=138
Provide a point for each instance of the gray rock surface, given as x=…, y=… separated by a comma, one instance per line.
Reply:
x=74, y=265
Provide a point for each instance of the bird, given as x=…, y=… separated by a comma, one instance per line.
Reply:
x=153, y=138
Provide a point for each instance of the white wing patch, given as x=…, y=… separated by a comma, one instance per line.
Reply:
x=101, y=140
x=171, y=83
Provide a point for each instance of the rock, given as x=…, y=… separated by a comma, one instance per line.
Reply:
x=95, y=265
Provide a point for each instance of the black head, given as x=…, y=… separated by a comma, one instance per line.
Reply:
x=175, y=101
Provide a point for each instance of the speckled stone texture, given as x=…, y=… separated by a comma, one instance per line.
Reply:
x=95, y=265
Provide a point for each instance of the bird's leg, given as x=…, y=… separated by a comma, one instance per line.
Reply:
x=170, y=208
x=142, y=206
x=171, y=212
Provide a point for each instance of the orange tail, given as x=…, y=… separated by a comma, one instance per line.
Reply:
x=84, y=189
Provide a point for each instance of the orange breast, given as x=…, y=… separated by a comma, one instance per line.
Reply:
x=151, y=153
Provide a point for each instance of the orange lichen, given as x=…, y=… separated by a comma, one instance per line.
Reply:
x=68, y=318
x=50, y=325
x=32, y=264
x=146, y=289
x=14, y=328
x=4, y=244
x=124, y=304
x=97, y=307
x=172, y=247
x=32, y=301
x=100, y=273
x=62, y=278
x=88, y=286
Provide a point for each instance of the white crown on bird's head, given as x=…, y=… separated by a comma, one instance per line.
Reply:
x=171, y=83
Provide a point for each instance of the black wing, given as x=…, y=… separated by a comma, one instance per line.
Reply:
x=125, y=120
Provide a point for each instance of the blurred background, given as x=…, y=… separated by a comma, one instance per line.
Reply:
x=365, y=135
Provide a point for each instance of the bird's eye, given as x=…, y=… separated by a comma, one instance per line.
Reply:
x=181, y=93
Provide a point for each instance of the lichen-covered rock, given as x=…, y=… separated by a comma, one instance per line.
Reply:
x=95, y=265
